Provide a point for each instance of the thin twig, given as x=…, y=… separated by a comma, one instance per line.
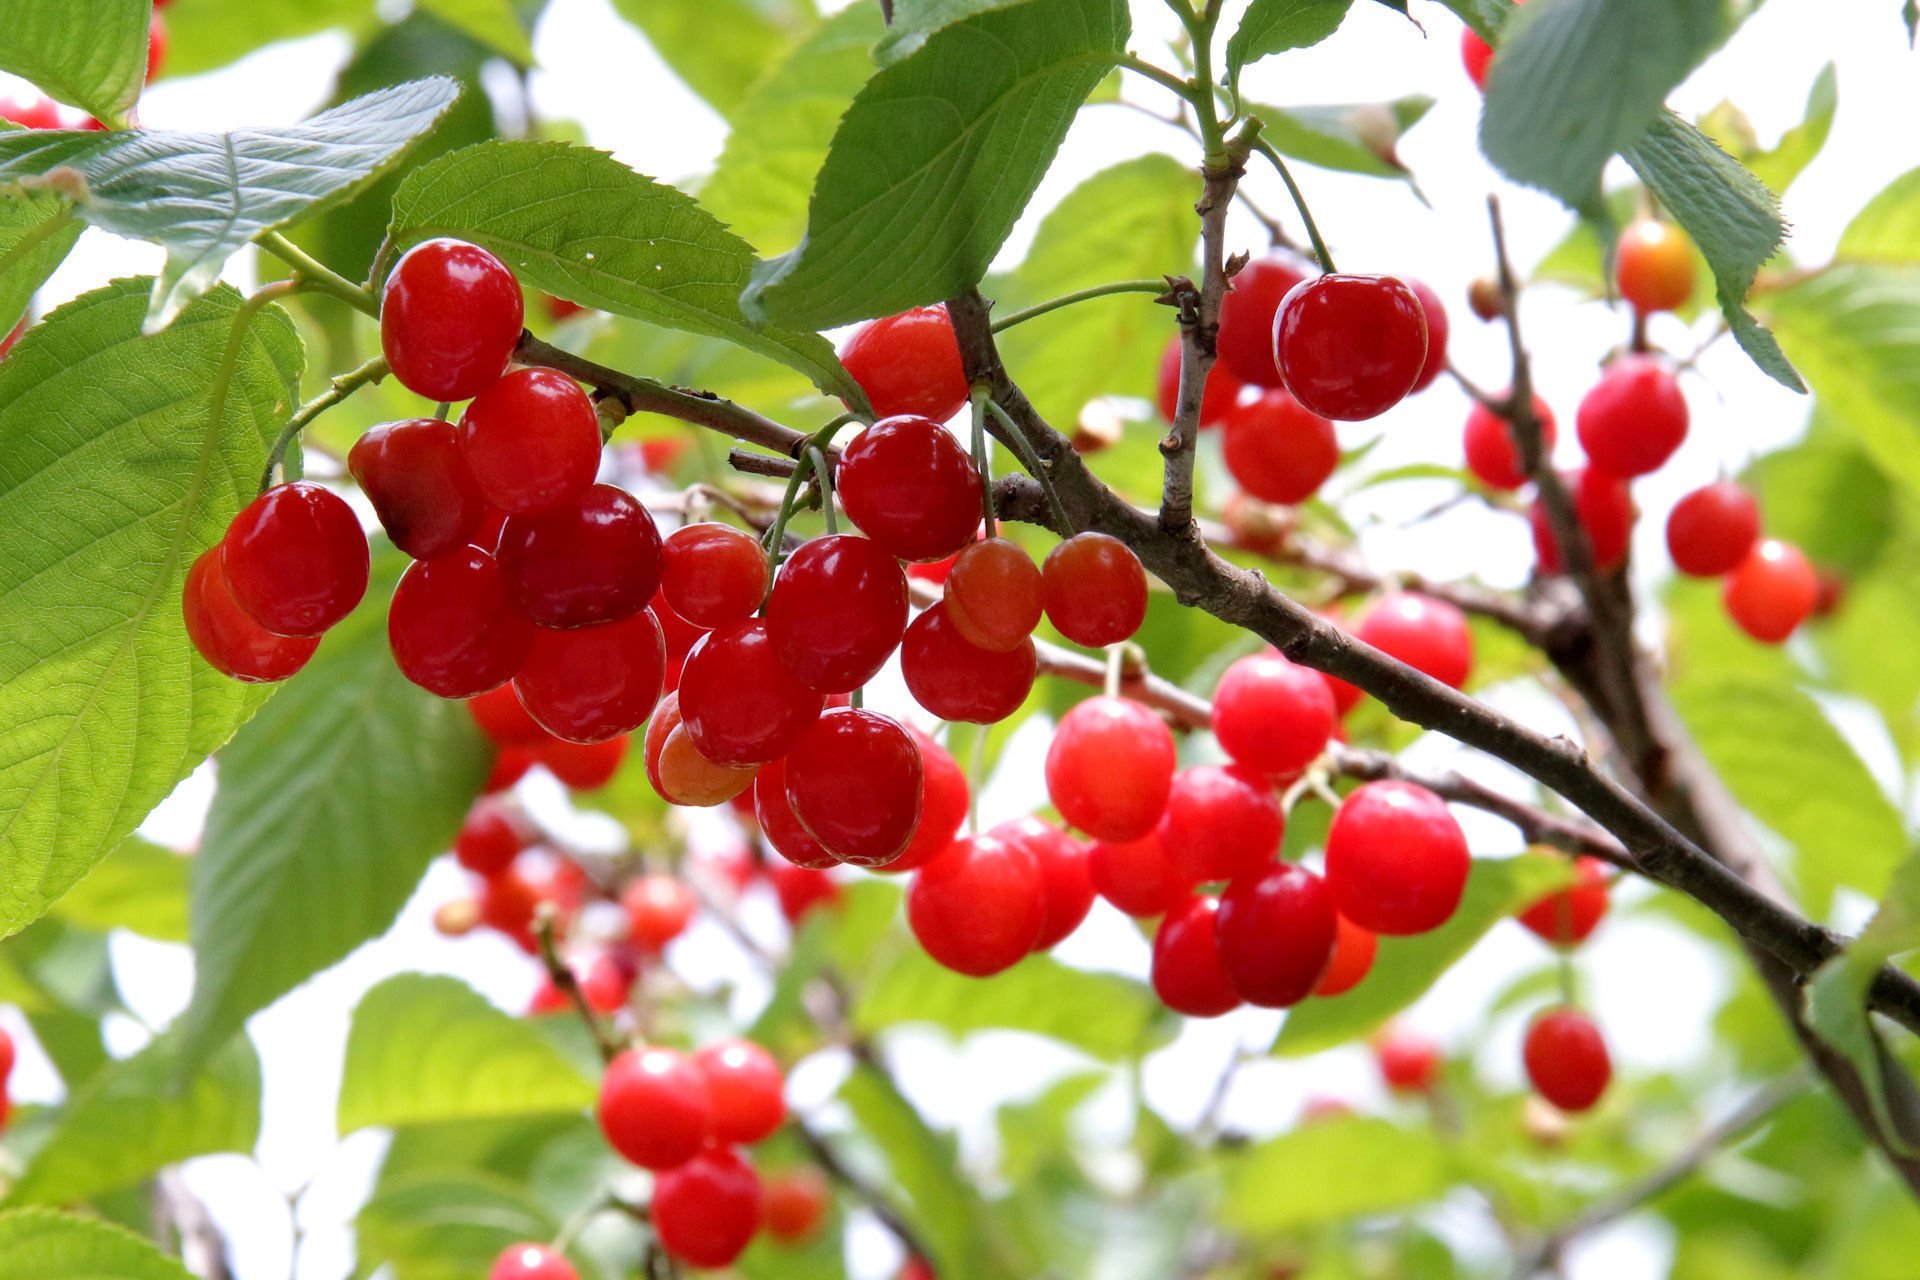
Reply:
x=561, y=975
x=337, y=390
x=866, y=1192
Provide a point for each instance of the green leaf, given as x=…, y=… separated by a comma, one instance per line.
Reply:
x=1406, y=967
x=36, y=233
x=72, y=1041
x=141, y=887
x=111, y=481
x=1485, y=17
x=915, y=20
x=128, y=1122
x=40, y=1244
x=205, y=34
x=446, y=1225
x=330, y=805
x=1888, y=229
x=1332, y=1170
x=92, y=53
x=1274, y=26
x=431, y=1048
x=930, y=169
x=491, y=22
x=577, y=222
x=1358, y=138
x=1858, y=657
x=719, y=47
x=202, y=196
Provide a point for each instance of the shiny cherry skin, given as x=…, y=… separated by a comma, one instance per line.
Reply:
x=802, y=890
x=740, y=703
x=1246, y=317
x=837, y=612
x=450, y=317
x=994, y=594
x=1438, y=326
x=1353, y=952
x=295, y=559
x=420, y=485
x=1476, y=55
x=1136, y=876
x=1221, y=822
x=593, y=560
x=1653, y=264
x=1633, y=419
x=1272, y=715
x=955, y=680
x=854, y=782
x=1095, y=589
x=1397, y=860
x=1350, y=347
x=1277, y=451
x=1186, y=971
x=793, y=1204
x=659, y=908
x=1409, y=1062
x=1216, y=401
x=713, y=574
x=490, y=838
x=593, y=683
x=706, y=1211
x=944, y=797
x=453, y=626
x=583, y=766
x=1712, y=529
x=1428, y=635
x=1110, y=768
x=532, y=441
x=1491, y=452
x=1772, y=591
x=1604, y=505
x=910, y=487
x=655, y=1108
x=1275, y=930
x=747, y=1090
x=979, y=906
x=1066, y=888
x=781, y=825
x=1566, y=916
x=231, y=642
x=1567, y=1060
x=528, y=1261
x=909, y=363
x=679, y=773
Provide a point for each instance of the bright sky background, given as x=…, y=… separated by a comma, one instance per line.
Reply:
x=597, y=69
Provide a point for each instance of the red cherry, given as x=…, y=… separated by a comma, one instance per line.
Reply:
x=781, y=825
x=1066, y=888
x=1772, y=592
x=1272, y=715
x=1428, y=635
x=1275, y=931
x=504, y=721
x=1566, y=916
x=837, y=611
x=854, y=782
x=1654, y=265
x=1397, y=860
x=1409, y=1062
x=295, y=559
x=979, y=906
x=909, y=363
x=1277, y=451
x=713, y=574
x=419, y=484
x=1187, y=974
x=654, y=1107
x=1095, y=589
x=1246, y=317
x=30, y=111
x=1435, y=312
x=705, y=1211
x=156, y=47
x=793, y=1204
x=231, y=642
x=507, y=905
x=659, y=909
x=453, y=626
x=1350, y=347
x=532, y=440
x=1221, y=822
x=527, y=1261
x=490, y=838
x=609, y=981
x=583, y=766
x=678, y=772
x=510, y=765
x=801, y=889
x=747, y=1089
x=1475, y=55
x=1567, y=1060
x=943, y=805
x=959, y=681
x=450, y=318
x=1222, y=390
x=1605, y=507
x=7, y=1055
x=1137, y=876
x=594, y=683
x=1492, y=454
x=740, y=703
x=1353, y=952
x=1110, y=768
x=910, y=487
x=1633, y=418
x=935, y=572
x=994, y=594
x=592, y=560
x=13, y=335
x=1712, y=529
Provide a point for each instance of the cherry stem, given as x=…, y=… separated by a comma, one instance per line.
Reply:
x=1078, y=295
x=442, y=409
x=777, y=533
x=982, y=456
x=317, y=275
x=1116, y=664
x=1265, y=148
x=337, y=390
x=1568, y=986
x=824, y=474
x=1062, y=525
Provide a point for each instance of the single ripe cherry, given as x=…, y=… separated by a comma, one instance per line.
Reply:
x=1066, y=888
x=510, y=764
x=706, y=1210
x=1476, y=55
x=1633, y=418
x=453, y=626
x=1275, y=930
x=854, y=782
x=527, y=1261
x=1604, y=506
x=1428, y=635
x=1221, y=822
x=295, y=559
x=740, y=703
x=1187, y=973
x=30, y=110
x=450, y=318
x=490, y=838
x=532, y=441
x=1110, y=768
x=1772, y=592
x=955, y=680
x=1409, y=1062
x=1567, y=1060
x=909, y=363
x=419, y=484
x=1350, y=347
x=1095, y=589
x=655, y=1108
x=1712, y=529
x=802, y=890
x=793, y=1204
x=994, y=594
x=608, y=981
x=1136, y=876
x=1397, y=860
x=1216, y=401
x=583, y=766
x=837, y=611
x=1246, y=317
x=592, y=560
x=747, y=1090
x=1566, y=916
x=978, y=907
x=231, y=642
x=713, y=574
x=593, y=683
x=1272, y=715
x=508, y=901
x=659, y=909
x=943, y=805
x=1492, y=453
x=1654, y=265
x=910, y=487
x=1353, y=952
x=1277, y=451
x=1437, y=328
x=781, y=825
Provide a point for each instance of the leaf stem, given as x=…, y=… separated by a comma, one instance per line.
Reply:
x=1265, y=148
x=1078, y=295
x=317, y=275
x=1024, y=447
x=337, y=390
x=1165, y=79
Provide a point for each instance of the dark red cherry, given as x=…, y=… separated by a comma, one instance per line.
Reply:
x=1187, y=973
x=1110, y=768
x=910, y=487
x=1605, y=507
x=593, y=683
x=1397, y=860
x=713, y=574
x=995, y=594
x=1566, y=916
x=1221, y=822
x=654, y=1107
x=528, y=1261
x=1712, y=529
x=1275, y=931
x=1772, y=591
x=739, y=702
x=231, y=642
x=979, y=906
x=532, y=441
x=837, y=611
x=1491, y=451
x=1566, y=1059
x=1277, y=451
x=295, y=559
x=508, y=901
x=1247, y=313
x=490, y=838
x=453, y=627
x=747, y=1090
x=706, y=1210
x=1353, y=952
x=1633, y=418
x=943, y=805
x=854, y=782
x=1350, y=347
x=955, y=680
x=450, y=317
x=595, y=559
x=1428, y=635
x=1066, y=888
x=909, y=363
x=1271, y=715
x=1221, y=394
x=781, y=825
x=1437, y=326
x=419, y=484
x=1095, y=589
x=1136, y=875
